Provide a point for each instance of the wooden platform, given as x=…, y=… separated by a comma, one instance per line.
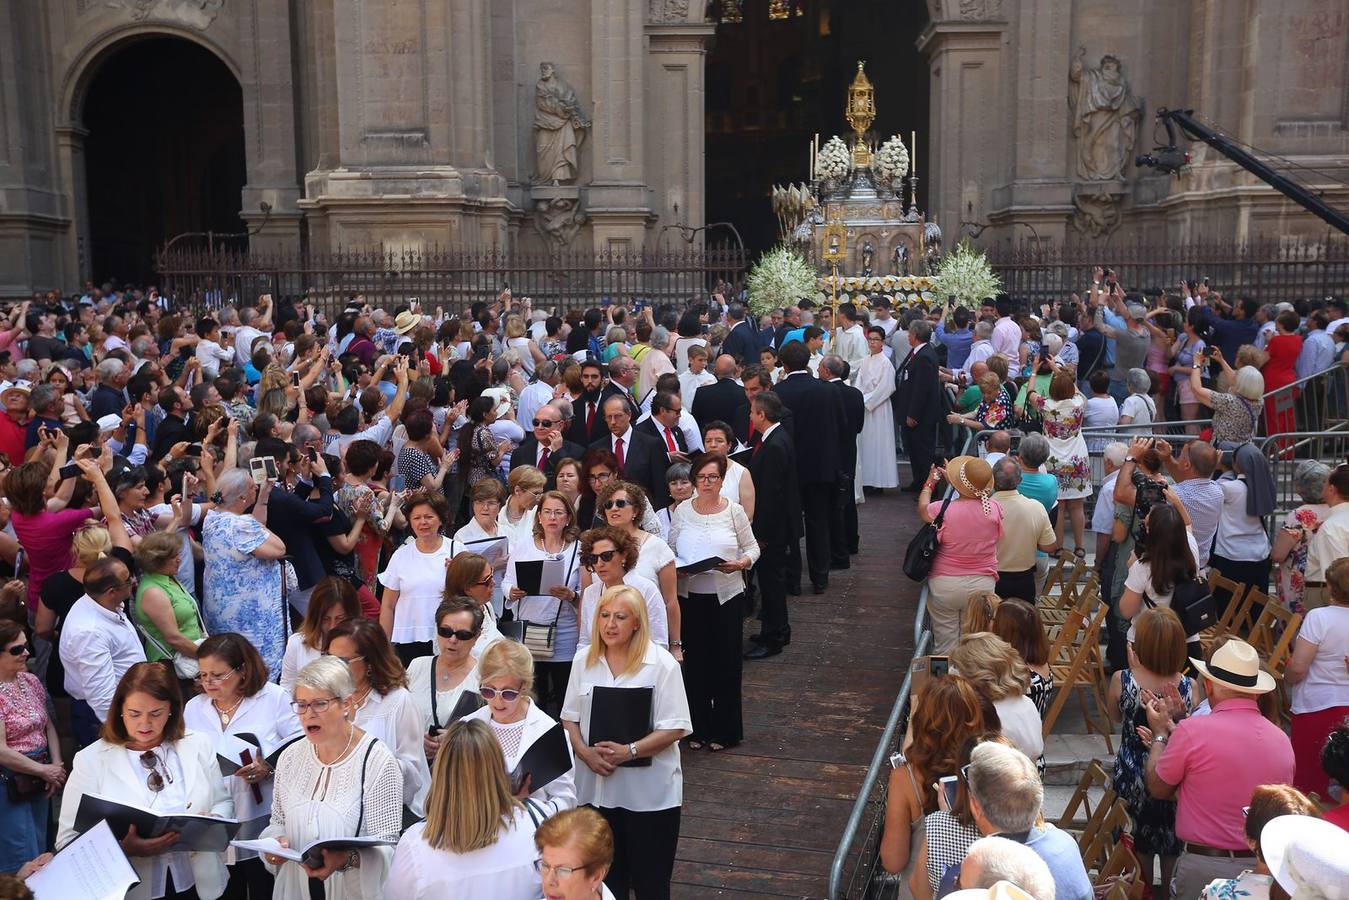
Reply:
x=763, y=819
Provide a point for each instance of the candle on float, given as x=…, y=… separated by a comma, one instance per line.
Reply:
x=913, y=152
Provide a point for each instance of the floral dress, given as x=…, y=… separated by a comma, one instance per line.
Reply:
x=242, y=592
x=1154, y=820
x=1293, y=570
x=996, y=413
x=1068, y=460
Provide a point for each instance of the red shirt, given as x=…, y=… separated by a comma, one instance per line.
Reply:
x=12, y=439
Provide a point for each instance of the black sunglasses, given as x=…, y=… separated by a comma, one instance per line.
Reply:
x=455, y=633
x=589, y=559
x=544, y=423
x=620, y=503
x=17, y=650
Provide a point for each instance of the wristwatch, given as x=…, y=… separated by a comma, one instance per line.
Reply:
x=632, y=750
x=353, y=858
x=1160, y=739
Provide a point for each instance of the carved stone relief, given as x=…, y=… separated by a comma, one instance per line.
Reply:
x=558, y=218
x=1097, y=214
x=198, y=14
x=667, y=10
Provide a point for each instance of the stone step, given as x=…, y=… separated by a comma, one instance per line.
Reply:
x=1068, y=755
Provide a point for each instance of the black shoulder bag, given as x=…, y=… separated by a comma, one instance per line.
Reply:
x=922, y=550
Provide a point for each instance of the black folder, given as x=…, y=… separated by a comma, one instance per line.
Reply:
x=621, y=715
x=195, y=832
x=547, y=759
x=702, y=565
x=468, y=702
x=529, y=576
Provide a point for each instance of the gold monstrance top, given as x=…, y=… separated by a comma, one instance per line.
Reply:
x=861, y=113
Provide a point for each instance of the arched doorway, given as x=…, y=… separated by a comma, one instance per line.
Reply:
x=164, y=152
x=778, y=72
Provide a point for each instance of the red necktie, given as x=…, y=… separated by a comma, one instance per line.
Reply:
x=669, y=441
x=590, y=416
x=543, y=458
x=618, y=452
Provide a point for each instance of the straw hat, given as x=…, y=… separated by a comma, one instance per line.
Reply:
x=971, y=476
x=1308, y=857
x=406, y=321
x=1236, y=665
x=502, y=396
x=1002, y=890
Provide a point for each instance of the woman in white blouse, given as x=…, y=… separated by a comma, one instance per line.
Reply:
x=553, y=540
x=710, y=525
x=339, y=782
x=608, y=556
x=414, y=577
x=624, y=506
x=382, y=705
x=738, y=485
x=506, y=676
x=146, y=757
x=642, y=803
x=333, y=601
x=238, y=700
x=1166, y=557
x=483, y=532
x=524, y=486
x=439, y=682
x=477, y=840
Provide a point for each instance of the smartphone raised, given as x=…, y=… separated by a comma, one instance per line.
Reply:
x=263, y=468
x=193, y=450
x=948, y=785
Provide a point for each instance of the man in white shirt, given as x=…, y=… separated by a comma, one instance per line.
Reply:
x=1318, y=347
x=98, y=645
x=379, y=427
x=697, y=376
x=982, y=347
x=1006, y=335
x=116, y=329
x=999, y=445
x=882, y=318
x=251, y=325
x=851, y=341
x=538, y=392
x=1331, y=541
x=1265, y=316
x=1103, y=517
x=1201, y=495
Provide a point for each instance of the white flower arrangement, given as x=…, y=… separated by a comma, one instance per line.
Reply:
x=834, y=160
x=892, y=160
x=781, y=277
x=965, y=274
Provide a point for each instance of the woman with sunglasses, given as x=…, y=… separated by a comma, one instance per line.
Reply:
x=147, y=758
x=506, y=677
x=554, y=540
x=28, y=748
x=608, y=556
x=237, y=699
x=413, y=577
x=382, y=704
x=710, y=525
x=624, y=506
x=333, y=601
x=471, y=575
x=341, y=781
x=438, y=683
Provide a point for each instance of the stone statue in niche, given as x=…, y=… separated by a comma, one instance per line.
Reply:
x=868, y=257
x=901, y=260
x=931, y=247
x=559, y=129
x=1105, y=117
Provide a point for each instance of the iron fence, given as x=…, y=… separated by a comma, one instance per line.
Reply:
x=451, y=279
x=1268, y=271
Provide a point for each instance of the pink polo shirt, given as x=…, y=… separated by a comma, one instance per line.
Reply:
x=968, y=539
x=1218, y=761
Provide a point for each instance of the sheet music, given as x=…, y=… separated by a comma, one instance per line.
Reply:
x=92, y=867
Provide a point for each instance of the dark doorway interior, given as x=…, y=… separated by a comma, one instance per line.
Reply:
x=778, y=72
x=165, y=152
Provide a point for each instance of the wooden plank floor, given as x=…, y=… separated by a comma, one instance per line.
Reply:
x=764, y=818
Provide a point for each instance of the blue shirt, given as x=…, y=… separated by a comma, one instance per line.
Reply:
x=1061, y=854
x=796, y=334
x=1114, y=320
x=1318, y=353
x=957, y=345
x=1042, y=487
x=1229, y=334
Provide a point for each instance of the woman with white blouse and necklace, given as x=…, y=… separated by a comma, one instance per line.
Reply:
x=608, y=556
x=472, y=576
x=642, y=804
x=485, y=501
x=237, y=699
x=438, y=682
x=339, y=782
x=477, y=840
x=413, y=578
x=738, y=485
x=382, y=705
x=506, y=677
x=710, y=525
x=554, y=538
x=333, y=601
x=624, y=506
x=147, y=758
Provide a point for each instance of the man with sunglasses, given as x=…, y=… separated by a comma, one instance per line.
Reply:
x=546, y=444
x=98, y=645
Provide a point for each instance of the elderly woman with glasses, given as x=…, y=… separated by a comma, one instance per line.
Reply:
x=381, y=703
x=341, y=781
x=30, y=754
x=576, y=849
x=441, y=683
x=238, y=700
x=146, y=757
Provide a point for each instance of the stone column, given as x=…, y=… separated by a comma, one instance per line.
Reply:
x=618, y=201
x=675, y=119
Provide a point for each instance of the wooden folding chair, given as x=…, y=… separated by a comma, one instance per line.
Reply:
x=1094, y=777
x=1122, y=874
x=1273, y=633
x=1097, y=853
x=1085, y=674
x=1066, y=636
x=1237, y=608
x=1054, y=579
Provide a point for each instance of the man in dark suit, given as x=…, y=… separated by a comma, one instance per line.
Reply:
x=740, y=343
x=294, y=517
x=843, y=535
x=545, y=445
x=777, y=520
x=791, y=320
x=918, y=402
x=718, y=402
x=641, y=458
x=819, y=415
x=663, y=424
x=587, y=424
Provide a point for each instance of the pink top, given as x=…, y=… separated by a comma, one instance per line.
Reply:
x=23, y=709
x=1218, y=761
x=45, y=539
x=968, y=540
x=1006, y=338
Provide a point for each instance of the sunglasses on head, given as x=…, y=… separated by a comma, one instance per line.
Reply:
x=589, y=559
x=544, y=423
x=491, y=694
x=447, y=633
x=17, y=650
x=619, y=503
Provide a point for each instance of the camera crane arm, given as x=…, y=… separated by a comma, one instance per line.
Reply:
x=1170, y=159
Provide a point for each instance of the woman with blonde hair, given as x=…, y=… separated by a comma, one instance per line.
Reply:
x=506, y=678
x=979, y=612
x=576, y=849
x=477, y=840
x=641, y=803
x=1003, y=677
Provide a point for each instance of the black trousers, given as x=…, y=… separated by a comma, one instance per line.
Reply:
x=842, y=540
x=713, y=666
x=921, y=444
x=771, y=573
x=170, y=893
x=793, y=576
x=818, y=506
x=412, y=650
x=249, y=880
x=644, y=852
x=1017, y=584
x=550, y=684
